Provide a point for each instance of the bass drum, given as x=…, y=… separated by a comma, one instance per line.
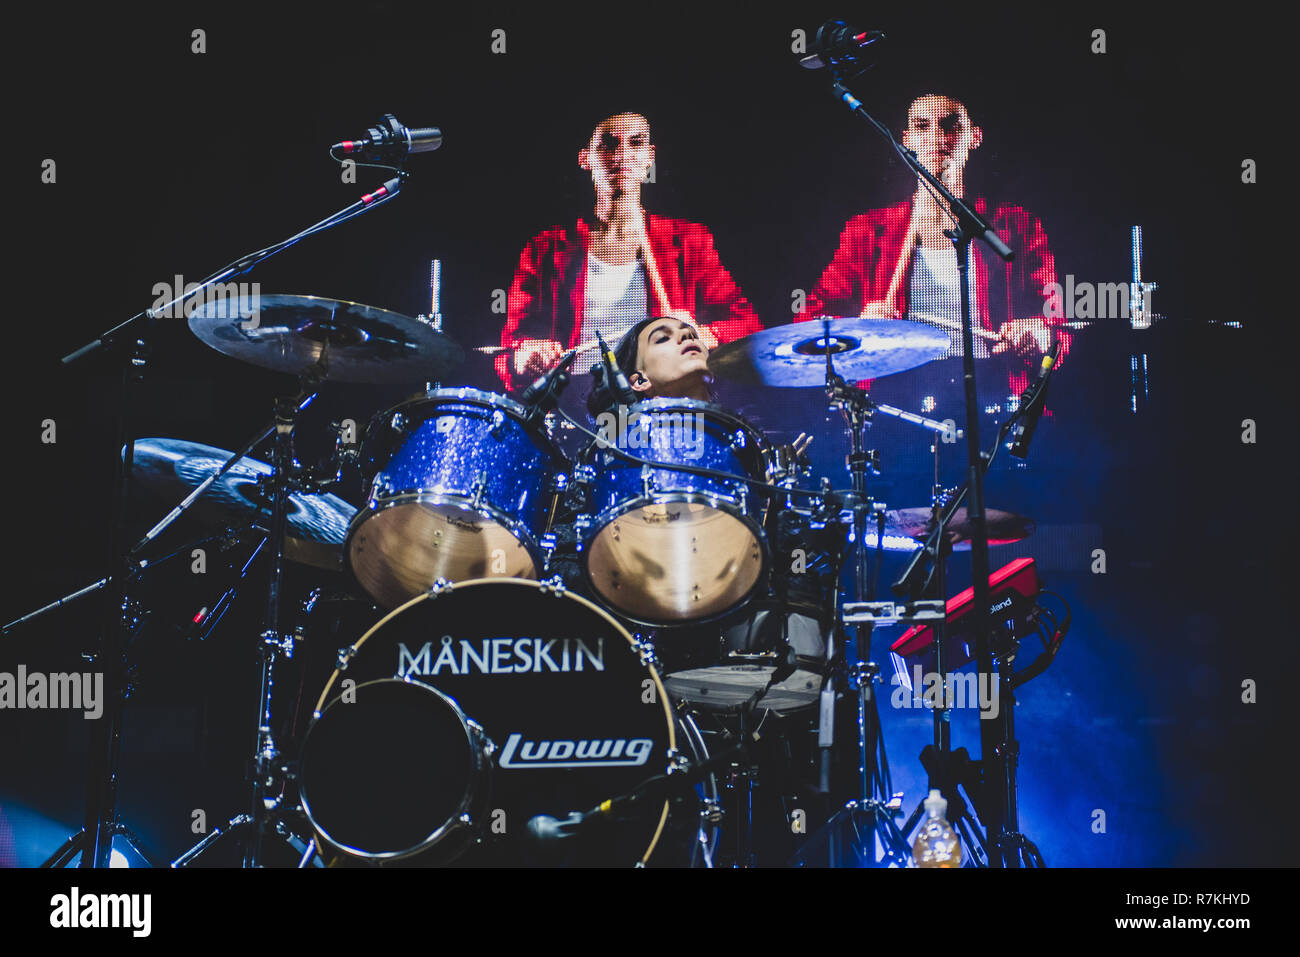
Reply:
x=481, y=708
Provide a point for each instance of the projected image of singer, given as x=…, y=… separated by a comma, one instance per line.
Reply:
x=896, y=262
x=616, y=266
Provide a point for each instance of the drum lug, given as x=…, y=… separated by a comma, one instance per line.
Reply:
x=677, y=763
x=345, y=656
x=711, y=811
x=479, y=487
x=647, y=481
x=398, y=422
x=738, y=440
x=584, y=474
x=645, y=648
x=498, y=424
x=440, y=587
x=553, y=585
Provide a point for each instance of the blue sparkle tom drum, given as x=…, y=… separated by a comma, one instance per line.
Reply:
x=663, y=545
x=460, y=488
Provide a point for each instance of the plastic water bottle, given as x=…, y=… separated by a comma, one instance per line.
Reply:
x=937, y=844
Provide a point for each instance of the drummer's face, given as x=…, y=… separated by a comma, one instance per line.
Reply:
x=619, y=153
x=668, y=352
x=941, y=133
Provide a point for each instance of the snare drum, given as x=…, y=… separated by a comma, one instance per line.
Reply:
x=663, y=546
x=474, y=709
x=460, y=489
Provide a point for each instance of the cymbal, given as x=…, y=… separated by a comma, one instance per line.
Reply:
x=794, y=355
x=361, y=344
x=316, y=524
x=1004, y=527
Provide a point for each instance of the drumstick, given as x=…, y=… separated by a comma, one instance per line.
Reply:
x=652, y=269
x=954, y=324
x=497, y=350
x=904, y=257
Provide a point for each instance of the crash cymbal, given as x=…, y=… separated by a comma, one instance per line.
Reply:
x=359, y=343
x=316, y=524
x=1004, y=527
x=794, y=355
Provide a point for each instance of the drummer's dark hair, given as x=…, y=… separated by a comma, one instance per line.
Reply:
x=625, y=353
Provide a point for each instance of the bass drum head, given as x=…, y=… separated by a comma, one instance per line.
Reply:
x=428, y=776
x=573, y=713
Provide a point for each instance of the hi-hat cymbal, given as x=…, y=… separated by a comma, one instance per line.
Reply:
x=794, y=355
x=316, y=524
x=359, y=343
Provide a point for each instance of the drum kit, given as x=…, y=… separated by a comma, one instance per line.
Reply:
x=571, y=657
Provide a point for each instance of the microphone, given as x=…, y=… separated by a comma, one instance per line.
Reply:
x=615, y=379
x=1031, y=403
x=543, y=828
x=390, y=137
x=539, y=389
x=836, y=41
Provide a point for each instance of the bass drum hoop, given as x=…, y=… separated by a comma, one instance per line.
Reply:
x=562, y=594
x=476, y=744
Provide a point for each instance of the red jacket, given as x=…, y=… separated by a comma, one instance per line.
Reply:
x=869, y=250
x=547, y=297
x=870, y=246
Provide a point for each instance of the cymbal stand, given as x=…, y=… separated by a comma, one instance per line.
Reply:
x=265, y=770
x=869, y=817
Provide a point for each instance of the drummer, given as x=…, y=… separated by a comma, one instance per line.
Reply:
x=666, y=357
x=618, y=264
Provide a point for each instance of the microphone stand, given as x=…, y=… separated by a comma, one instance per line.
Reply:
x=969, y=225
x=129, y=340
x=948, y=769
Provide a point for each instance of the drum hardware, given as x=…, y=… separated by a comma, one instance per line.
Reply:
x=1010, y=848
x=128, y=342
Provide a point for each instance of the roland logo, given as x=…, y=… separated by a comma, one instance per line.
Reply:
x=1004, y=603
x=587, y=753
